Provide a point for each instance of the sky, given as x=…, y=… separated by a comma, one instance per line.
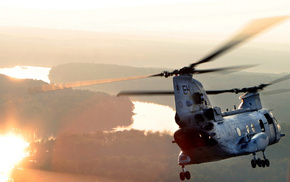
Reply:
x=218, y=16
x=85, y=4
x=210, y=20
x=195, y=21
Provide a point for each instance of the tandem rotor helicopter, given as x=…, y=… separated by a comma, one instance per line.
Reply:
x=206, y=133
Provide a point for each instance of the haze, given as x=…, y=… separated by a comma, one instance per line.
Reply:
x=147, y=34
x=69, y=37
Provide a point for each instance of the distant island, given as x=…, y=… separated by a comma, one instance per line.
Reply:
x=50, y=114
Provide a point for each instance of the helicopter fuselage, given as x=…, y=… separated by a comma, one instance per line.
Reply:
x=206, y=134
x=235, y=135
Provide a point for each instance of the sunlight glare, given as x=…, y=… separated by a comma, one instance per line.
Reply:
x=12, y=151
x=27, y=72
x=152, y=117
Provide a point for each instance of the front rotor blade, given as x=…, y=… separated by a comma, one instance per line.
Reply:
x=249, y=31
x=60, y=86
x=144, y=93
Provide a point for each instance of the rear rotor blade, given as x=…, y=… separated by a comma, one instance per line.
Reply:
x=144, y=93
x=249, y=31
x=153, y=93
x=216, y=92
x=255, y=88
x=224, y=69
x=60, y=86
x=262, y=86
x=277, y=91
x=280, y=79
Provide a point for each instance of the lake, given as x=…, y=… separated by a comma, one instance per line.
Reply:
x=148, y=116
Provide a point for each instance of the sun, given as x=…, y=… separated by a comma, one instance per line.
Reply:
x=12, y=151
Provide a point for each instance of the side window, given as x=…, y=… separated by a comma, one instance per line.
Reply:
x=253, y=128
x=238, y=131
x=262, y=125
x=198, y=97
x=248, y=129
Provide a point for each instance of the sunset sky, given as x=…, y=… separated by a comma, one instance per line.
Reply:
x=37, y=36
x=180, y=24
x=171, y=16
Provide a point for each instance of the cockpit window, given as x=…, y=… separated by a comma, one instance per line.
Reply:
x=269, y=119
x=275, y=120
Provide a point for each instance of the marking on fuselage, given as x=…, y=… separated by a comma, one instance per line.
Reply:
x=177, y=88
x=180, y=105
x=186, y=89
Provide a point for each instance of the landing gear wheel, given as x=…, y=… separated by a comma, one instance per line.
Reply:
x=187, y=175
x=182, y=176
x=259, y=162
x=263, y=163
x=253, y=163
x=267, y=162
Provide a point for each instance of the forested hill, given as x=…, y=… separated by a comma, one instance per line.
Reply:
x=56, y=112
x=279, y=103
x=134, y=156
x=124, y=155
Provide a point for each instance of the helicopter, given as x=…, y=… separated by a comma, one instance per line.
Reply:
x=206, y=134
